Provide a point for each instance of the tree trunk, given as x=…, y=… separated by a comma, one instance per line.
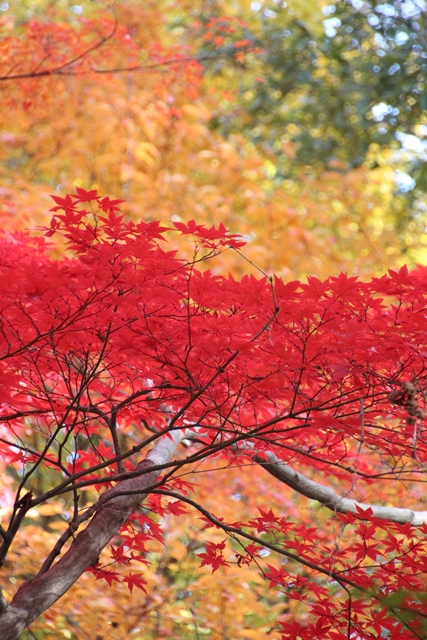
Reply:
x=115, y=506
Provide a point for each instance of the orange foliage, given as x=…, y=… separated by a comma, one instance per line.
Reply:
x=144, y=136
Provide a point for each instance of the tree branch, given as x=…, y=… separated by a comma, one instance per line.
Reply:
x=113, y=509
x=329, y=498
x=60, y=69
x=339, y=578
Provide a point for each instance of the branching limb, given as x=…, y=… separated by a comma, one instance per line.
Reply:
x=328, y=497
x=113, y=510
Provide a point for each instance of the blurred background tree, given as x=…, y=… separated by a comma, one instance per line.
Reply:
x=300, y=125
x=335, y=87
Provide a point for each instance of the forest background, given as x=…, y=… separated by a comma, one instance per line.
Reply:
x=300, y=125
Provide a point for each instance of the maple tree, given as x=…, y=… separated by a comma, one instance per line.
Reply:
x=146, y=136
x=132, y=365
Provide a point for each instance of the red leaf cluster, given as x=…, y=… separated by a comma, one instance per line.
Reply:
x=122, y=335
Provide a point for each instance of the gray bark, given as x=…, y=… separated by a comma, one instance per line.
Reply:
x=328, y=497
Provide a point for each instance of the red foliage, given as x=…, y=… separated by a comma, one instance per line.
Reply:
x=124, y=336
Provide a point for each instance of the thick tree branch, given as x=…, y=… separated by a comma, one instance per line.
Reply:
x=113, y=509
x=328, y=497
